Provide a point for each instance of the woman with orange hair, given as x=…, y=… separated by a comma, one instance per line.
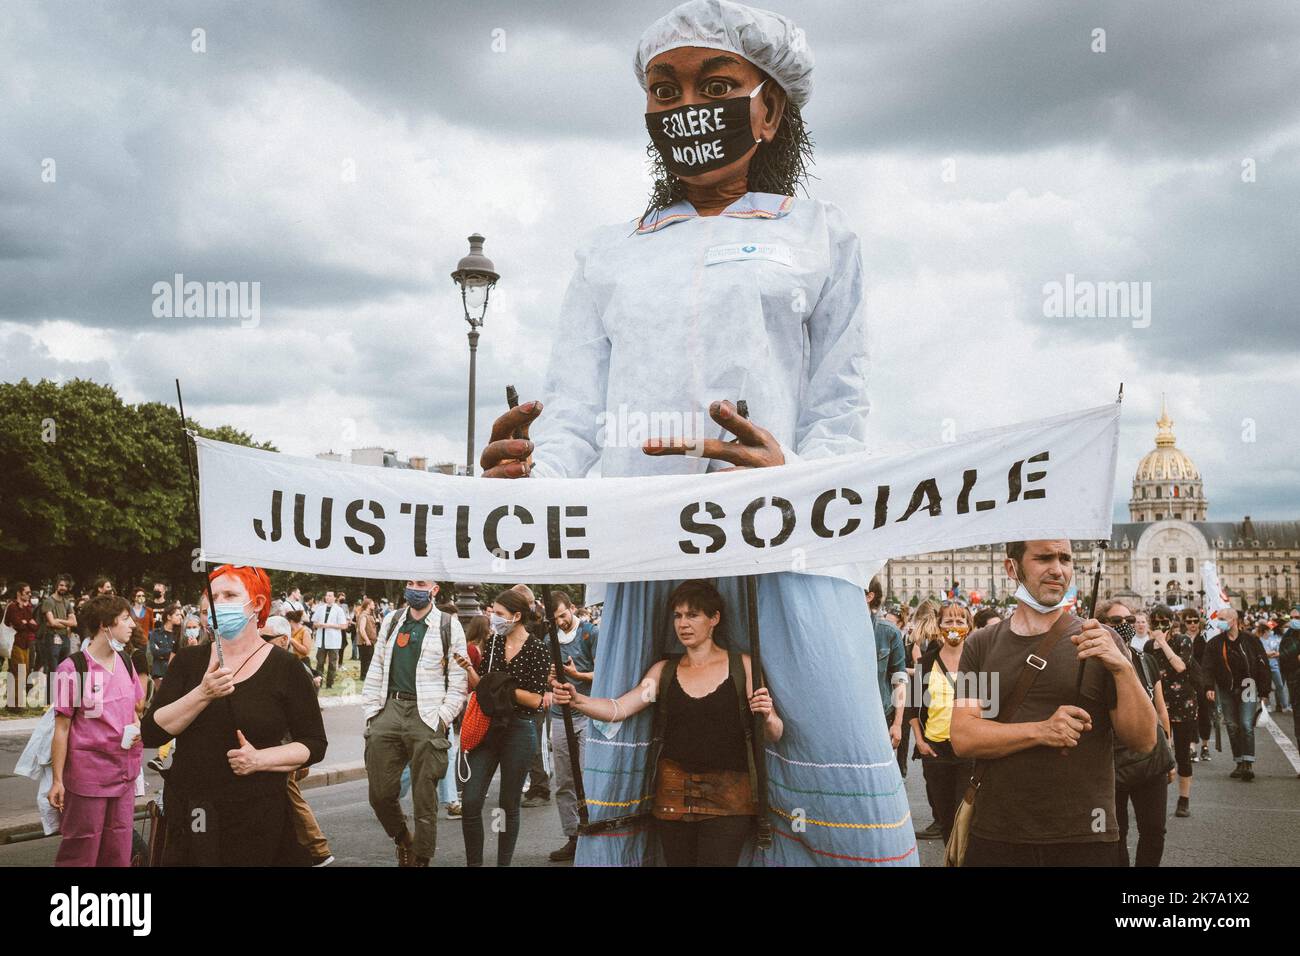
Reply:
x=226, y=800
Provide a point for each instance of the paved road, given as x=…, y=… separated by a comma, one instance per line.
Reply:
x=1232, y=823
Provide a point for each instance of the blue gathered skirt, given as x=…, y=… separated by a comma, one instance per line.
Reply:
x=835, y=794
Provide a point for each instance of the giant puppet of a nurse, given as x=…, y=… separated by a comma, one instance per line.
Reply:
x=727, y=287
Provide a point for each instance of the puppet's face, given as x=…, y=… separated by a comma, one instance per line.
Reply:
x=696, y=76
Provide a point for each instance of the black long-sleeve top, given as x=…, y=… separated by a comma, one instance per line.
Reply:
x=276, y=705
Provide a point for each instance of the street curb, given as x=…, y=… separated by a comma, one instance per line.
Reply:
x=326, y=776
x=26, y=725
x=23, y=725
x=335, y=773
x=347, y=700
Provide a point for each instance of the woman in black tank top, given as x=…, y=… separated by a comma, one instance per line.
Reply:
x=704, y=733
x=704, y=740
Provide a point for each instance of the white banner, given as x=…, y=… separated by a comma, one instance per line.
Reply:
x=1215, y=597
x=1046, y=479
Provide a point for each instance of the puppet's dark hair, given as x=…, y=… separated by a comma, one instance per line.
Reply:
x=777, y=167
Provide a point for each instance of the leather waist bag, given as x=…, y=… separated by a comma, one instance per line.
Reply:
x=683, y=795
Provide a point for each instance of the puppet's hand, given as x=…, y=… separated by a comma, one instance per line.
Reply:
x=753, y=446
x=509, y=453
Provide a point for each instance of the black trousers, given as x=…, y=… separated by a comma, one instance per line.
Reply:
x=367, y=652
x=1293, y=688
x=1150, y=810
x=715, y=842
x=1184, y=734
x=981, y=852
x=903, y=747
x=946, y=778
x=1205, y=718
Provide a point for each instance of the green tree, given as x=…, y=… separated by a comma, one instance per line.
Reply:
x=96, y=486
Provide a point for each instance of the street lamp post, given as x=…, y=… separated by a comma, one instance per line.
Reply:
x=476, y=278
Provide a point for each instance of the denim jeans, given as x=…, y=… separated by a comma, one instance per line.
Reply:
x=1239, y=715
x=1281, y=699
x=447, y=785
x=511, y=744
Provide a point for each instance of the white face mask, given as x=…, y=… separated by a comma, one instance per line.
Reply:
x=1023, y=596
x=117, y=646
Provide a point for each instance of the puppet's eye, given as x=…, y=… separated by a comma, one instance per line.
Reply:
x=717, y=87
x=663, y=91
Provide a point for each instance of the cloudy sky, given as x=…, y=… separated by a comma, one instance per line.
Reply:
x=339, y=154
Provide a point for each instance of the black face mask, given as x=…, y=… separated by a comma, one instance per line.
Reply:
x=701, y=138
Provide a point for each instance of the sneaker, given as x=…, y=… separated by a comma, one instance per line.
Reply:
x=420, y=861
x=155, y=765
x=326, y=861
x=1236, y=774
x=1205, y=752
x=1247, y=774
x=453, y=809
x=1195, y=757
x=535, y=799
x=932, y=832
x=1183, y=809
x=566, y=852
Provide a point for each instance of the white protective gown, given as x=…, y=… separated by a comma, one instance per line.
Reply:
x=763, y=302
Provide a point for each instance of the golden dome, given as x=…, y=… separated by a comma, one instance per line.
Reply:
x=1165, y=462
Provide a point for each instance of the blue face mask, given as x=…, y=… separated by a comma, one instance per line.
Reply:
x=231, y=620
x=501, y=625
x=417, y=598
x=1217, y=625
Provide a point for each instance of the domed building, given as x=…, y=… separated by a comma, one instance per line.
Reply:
x=1157, y=556
x=1167, y=484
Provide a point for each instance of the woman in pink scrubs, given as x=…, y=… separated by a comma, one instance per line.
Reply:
x=94, y=774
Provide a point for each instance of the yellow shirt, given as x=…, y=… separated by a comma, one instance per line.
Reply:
x=938, y=718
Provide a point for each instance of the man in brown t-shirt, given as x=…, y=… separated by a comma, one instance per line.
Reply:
x=1047, y=794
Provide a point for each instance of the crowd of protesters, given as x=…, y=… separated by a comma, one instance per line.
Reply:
x=221, y=752
x=236, y=733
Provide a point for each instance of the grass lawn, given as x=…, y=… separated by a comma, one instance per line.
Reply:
x=347, y=680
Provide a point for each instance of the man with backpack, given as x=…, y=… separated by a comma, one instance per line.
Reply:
x=413, y=691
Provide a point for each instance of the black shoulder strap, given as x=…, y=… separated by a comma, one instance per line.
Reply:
x=82, y=668
x=736, y=670
x=666, y=677
x=444, y=628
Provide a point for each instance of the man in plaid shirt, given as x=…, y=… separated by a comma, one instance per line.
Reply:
x=413, y=691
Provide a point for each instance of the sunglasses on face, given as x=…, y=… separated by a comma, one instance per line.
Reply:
x=1117, y=621
x=1161, y=621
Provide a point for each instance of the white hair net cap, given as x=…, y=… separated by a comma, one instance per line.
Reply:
x=768, y=40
